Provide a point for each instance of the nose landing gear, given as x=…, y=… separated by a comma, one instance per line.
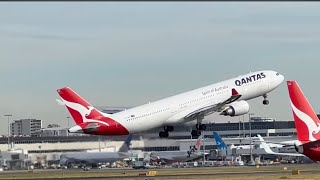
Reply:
x=265, y=101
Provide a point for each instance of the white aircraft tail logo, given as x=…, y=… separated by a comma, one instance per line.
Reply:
x=313, y=127
x=306, y=121
x=80, y=109
x=85, y=112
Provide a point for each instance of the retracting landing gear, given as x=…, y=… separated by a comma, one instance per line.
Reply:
x=165, y=133
x=199, y=127
x=265, y=101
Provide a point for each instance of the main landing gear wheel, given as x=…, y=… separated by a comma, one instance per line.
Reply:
x=168, y=128
x=265, y=101
x=163, y=134
x=201, y=127
x=195, y=133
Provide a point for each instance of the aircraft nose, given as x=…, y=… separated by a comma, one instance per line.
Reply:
x=280, y=78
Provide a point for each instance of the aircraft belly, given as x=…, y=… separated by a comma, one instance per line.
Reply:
x=144, y=124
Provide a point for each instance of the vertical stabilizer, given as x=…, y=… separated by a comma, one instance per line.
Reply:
x=306, y=120
x=126, y=145
x=220, y=143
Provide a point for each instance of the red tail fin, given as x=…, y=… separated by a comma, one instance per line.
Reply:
x=306, y=120
x=79, y=109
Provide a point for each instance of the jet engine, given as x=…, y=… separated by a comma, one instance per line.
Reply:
x=236, y=109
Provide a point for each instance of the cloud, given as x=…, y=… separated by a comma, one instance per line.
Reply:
x=34, y=32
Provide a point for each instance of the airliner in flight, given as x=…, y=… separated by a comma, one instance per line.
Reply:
x=226, y=97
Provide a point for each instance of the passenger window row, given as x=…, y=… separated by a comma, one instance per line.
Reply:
x=149, y=114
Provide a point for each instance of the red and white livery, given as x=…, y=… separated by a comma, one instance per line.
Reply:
x=306, y=121
x=226, y=97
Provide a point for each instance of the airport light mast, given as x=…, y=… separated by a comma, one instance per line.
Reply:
x=8, y=115
x=251, y=158
x=244, y=128
x=68, y=117
x=204, y=150
x=239, y=130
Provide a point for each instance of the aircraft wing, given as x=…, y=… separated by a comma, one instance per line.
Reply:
x=268, y=150
x=285, y=144
x=161, y=156
x=213, y=107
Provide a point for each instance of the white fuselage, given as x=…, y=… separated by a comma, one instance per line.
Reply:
x=92, y=157
x=162, y=112
x=175, y=156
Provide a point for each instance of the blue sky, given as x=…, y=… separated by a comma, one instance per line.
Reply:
x=129, y=53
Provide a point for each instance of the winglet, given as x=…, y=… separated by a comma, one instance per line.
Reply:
x=234, y=92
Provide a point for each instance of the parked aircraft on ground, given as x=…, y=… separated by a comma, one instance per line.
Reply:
x=226, y=97
x=93, y=158
x=268, y=150
x=222, y=145
x=178, y=156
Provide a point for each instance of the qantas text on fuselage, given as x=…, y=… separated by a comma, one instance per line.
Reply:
x=226, y=97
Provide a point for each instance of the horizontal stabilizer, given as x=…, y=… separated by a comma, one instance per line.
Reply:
x=61, y=103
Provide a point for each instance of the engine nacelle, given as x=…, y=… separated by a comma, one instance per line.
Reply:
x=237, y=108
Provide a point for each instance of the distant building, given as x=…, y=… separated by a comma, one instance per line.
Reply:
x=54, y=131
x=53, y=126
x=262, y=119
x=25, y=127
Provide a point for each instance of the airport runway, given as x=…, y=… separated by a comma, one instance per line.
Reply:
x=308, y=171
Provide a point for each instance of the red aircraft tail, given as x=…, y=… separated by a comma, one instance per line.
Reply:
x=306, y=121
x=79, y=108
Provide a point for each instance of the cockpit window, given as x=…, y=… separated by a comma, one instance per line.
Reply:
x=277, y=74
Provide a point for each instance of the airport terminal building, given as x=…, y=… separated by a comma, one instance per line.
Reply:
x=180, y=139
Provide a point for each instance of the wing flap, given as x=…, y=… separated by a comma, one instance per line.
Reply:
x=213, y=107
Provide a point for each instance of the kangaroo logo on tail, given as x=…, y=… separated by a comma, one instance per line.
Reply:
x=313, y=127
x=306, y=121
x=77, y=105
x=85, y=113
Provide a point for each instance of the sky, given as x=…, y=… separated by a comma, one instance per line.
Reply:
x=130, y=53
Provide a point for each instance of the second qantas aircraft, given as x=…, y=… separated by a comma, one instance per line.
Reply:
x=226, y=97
x=306, y=121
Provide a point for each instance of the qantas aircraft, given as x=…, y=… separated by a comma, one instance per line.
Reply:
x=306, y=121
x=226, y=97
